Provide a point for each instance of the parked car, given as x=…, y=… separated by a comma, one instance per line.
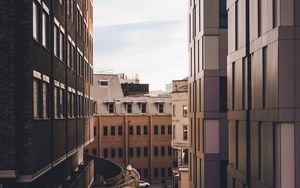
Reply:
x=143, y=184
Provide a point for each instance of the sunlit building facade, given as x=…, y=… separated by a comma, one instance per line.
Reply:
x=207, y=94
x=263, y=93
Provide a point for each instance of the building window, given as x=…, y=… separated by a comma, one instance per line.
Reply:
x=94, y=151
x=45, y=29
x=169, y=151
x=105, y=131
x=223, y=14
x=145, y=130
x=112, y=130
x=113, y=152
x=120, y=130
x=169, y=172
x=174, y=110
x=145, y=151
x=174, y=131
x=143, y=108
x=185, y=132
x=36, y=99
x=155, y=151
x=162, y=130
x=138, y=130
x=45, y=100
x=138, y=152
x=61, y=46
x=35, y=20
x=95, y=131
x=131, y=152
x=223, y=94
x=110, y=108
x=105, y=153
x=130, y=130
x=156, y=172
x=169, y=130
x=103, y=82
x=185, y=109
x=55, y=40
x=162, y=172
x=162, y=151
x=161, y=108
x=129, y=108
x=120, y=152
x=145, y=172
x=155, y=129
x=56, y=99
x=61, y=103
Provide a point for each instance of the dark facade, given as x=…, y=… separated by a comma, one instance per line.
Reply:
x=207, y=94
x=46, y=59
x=263, y=93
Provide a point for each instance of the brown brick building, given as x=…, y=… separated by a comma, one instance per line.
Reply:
x=135, y=129
x=46, y=59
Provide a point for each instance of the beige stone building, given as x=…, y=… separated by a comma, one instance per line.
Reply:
x=207, y=94
x=132, y=127
x=180, y=140
x=263, y=93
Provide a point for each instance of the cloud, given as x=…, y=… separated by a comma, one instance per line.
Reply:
x=150, y=42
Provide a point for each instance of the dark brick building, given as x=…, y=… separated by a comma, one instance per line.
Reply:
x=46, y=68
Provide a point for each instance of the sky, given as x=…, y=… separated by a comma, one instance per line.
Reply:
x=144, y=37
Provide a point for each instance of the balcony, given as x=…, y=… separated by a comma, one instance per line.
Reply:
x=110, y=174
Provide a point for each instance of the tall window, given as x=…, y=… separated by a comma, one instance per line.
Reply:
x=145, y=171
x=111, y=108
x=223, y=94
x=120, y=130
x=61, y=48
x=45, y=26
x=61, y=102
x=131, y=152
x=155, y=172
x=129, y=108
x=169, y=130
x=174, y=110
x=105, y=153
x=185, y=109
x=56, y=99
x=138, y=130
x=35, y=20
x=130, y=130
x=161, y=108
x=143, y=108
x=45, y=100
x=155, y=129
x=162, y=172
x=162, y=151
x=113, y=152
x=169, y=151
x=145, y=151
x=145, y=130
x=162, y=130
x=174, y=131
x=36, y=104
x=105, y=131
x=155, y=151
x=55, y=40
x=112, y=130
x=185, y=133
x=120, y=152
x=138, y=152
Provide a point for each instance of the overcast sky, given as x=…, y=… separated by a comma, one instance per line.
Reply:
x=147, y=37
